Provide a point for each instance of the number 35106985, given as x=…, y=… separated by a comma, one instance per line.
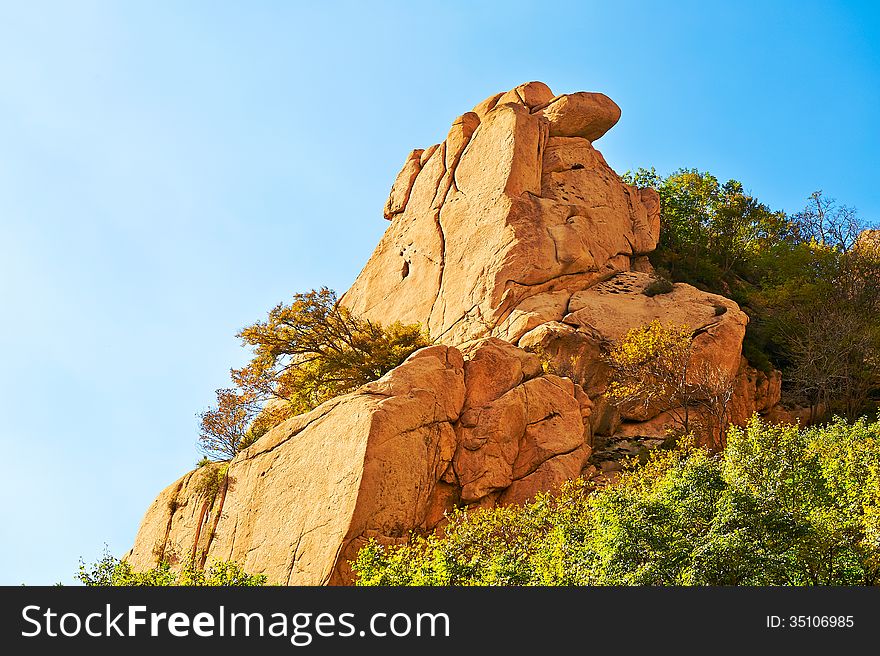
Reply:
x=810, y=622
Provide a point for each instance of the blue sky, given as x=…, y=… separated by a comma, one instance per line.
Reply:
x=171, y=170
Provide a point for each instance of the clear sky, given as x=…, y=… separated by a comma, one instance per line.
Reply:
x=171, y=170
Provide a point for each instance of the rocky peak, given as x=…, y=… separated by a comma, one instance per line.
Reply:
x=516, y=209
x=511, y=238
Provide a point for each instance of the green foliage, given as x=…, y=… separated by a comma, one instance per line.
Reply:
x=651, y=367
x=781, y=506
x=111, y=571
x=658, y=286
x=810, y=282
x=755, y=352
x=209, y=480
x=710, y=233
x=304, y=354
x=819, y=299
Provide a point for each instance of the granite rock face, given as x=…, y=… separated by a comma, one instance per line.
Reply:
x=513, y=207
x=437, y=432
x=522, y=253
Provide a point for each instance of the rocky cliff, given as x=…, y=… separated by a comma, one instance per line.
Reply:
x=511, y=238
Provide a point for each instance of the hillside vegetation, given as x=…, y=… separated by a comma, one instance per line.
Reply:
x=780, y=506
x=810, y=282
x=111, y=571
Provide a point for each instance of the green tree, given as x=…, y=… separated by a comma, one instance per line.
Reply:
x=780, y=506
x=810, y=282
x=710, y=232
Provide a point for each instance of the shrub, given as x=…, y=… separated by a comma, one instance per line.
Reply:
x=657, y=287
x=651, y=367
x=111, y=571
x=209, y=479
x=754, y=354
x=781, y=506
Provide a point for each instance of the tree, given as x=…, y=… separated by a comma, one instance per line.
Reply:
x=315, y=349
x=826, y=223
x=710, y=232
x=654, y=367
x=833, y=354
x=226, y=428
x=824, y=294
x=304, y=354
x=780, y=506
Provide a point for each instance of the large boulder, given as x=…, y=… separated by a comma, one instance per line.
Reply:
x=618, y=305
x=757, y=392
x=582, y=114
x=515, y=418
x=435, y=433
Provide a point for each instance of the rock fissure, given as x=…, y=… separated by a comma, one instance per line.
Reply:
x=224, y=487
x=442, y=263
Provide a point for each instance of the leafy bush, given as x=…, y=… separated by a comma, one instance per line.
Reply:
x=658, y=286
x=781, y=506
x=111, y=571
x=710, y=232
x=209, y=480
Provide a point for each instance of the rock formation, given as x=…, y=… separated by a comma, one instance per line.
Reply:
x=436, y=432
x=511, y=239
x=494, y=229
